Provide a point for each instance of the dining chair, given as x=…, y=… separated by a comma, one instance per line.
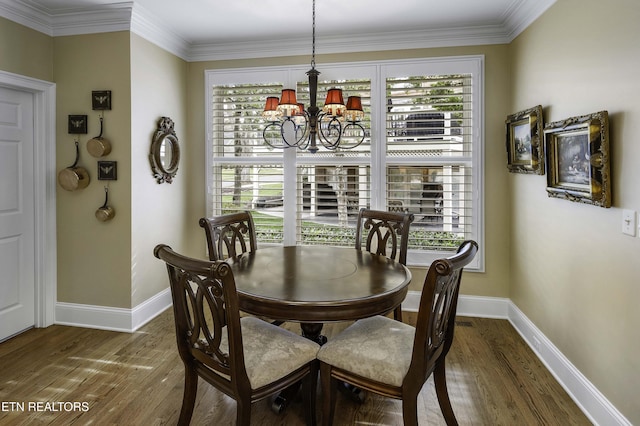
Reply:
x=385, y=233
x=246, y=358
x=229, y=235
x=394, y=359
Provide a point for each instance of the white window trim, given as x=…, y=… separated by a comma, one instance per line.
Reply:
x=377, y=71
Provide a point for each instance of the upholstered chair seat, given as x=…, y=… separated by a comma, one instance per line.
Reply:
x=378, y=348
x=393, y=359
x=270, y=352
x=246, y=358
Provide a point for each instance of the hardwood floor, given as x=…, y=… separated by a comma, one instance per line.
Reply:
x=136, y=379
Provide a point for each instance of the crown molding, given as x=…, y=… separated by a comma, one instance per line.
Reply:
x=127, y=16
x=401, y=40
x=145, y=24
x=518, y=19
x=108, y=18
x=27, y=16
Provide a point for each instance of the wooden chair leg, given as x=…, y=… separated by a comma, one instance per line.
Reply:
x=243, y=411
x=397, y=313
x=410, y=411
x=309, y=394
x=189, y=396
x=440, y=380
x=329, y=386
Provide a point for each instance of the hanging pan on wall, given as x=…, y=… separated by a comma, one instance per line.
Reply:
x=99, y=146
x=106, y=212
x=74, y=177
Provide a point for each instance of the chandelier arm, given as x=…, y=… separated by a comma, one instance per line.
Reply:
x=300, y=137
x=284, y=138
x=355, y=125
x=326, y=131
x=264, y=134
x=304, y=144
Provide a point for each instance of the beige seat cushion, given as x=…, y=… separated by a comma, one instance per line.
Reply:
x=377, y=348
x=271, y=352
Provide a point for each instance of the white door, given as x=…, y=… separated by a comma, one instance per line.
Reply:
x=17, y=220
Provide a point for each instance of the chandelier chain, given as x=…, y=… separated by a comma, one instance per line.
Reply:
x=289, y=119
x=313, y=36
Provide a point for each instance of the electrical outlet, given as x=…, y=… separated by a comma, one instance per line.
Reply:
x=629, y=222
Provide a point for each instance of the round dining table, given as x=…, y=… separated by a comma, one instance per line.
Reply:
x=316, y=284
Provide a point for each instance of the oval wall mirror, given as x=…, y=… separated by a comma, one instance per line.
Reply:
x=165, y=152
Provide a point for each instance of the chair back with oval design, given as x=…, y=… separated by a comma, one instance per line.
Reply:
x=384, y=233
x=436, y=315
x=229, y=235
x=394, y=359
x=242, y=357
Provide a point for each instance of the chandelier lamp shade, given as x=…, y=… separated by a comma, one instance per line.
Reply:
x=335, y=125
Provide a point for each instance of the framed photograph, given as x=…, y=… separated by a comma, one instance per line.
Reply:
x=101, y=100
x=578, y=159
x=107, y=170
x=77, y=124
x=525, y=145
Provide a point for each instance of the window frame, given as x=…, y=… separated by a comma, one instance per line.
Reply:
x=377, y=71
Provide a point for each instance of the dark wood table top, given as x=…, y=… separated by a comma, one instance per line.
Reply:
x=318, y=283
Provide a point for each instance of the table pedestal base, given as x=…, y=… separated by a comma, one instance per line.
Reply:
x=354, y=393
x=312, y=330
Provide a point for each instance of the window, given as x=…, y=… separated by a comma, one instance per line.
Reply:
x=422, y=154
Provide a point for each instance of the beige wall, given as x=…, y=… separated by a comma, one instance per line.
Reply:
x=494, y=282
x=551, y=257
x=110, y=264
x=158, y=211
x=574, y=273
x=94, y=258
x=25, y=51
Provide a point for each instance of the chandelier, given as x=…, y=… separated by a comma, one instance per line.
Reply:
x=334, y=126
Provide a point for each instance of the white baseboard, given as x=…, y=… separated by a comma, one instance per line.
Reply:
x=592, y=403
x=114, y=319
x=150, y=308
x=468, y=306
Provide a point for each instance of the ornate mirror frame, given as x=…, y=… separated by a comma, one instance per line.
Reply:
x=164, y=139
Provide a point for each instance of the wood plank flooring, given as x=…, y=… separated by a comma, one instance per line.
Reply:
x=136, y=379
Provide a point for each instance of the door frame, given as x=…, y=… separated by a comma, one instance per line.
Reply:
x=44, y=165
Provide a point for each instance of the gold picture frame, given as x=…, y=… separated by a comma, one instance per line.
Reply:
x=578, y=159
x=525, y=147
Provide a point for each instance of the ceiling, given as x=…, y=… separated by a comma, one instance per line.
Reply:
x=209, y=29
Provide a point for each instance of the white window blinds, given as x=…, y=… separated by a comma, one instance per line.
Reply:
x=429, y=154
x=422, y=154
